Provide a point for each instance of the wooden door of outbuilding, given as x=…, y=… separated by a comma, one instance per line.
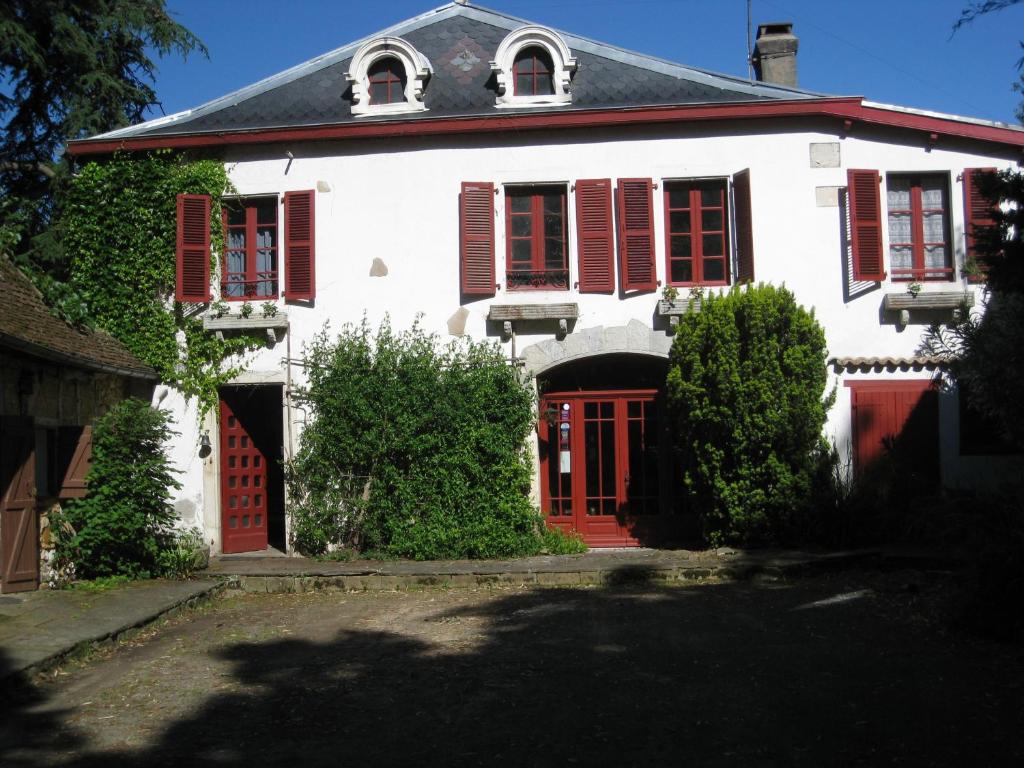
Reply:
x=19, y=521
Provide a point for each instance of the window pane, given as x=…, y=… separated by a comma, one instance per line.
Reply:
x=524, y=84
x=933, y=193
x=679, y=197
x=682, y=271
x=681, y=246
x=522, y=252
x=520, y=203
x=711, y=196
x=378, y=93
x=714, y=270
x=553, y=225
x=554, y=255
x=897, y=192
x=711, y=221
x=553, y=203
x=713, y=245
x=901, y=256
x=934, y=228
x=608, y=458
x=544, y=86
x=935, y=256
x=679, y=221
x=236, y=214
x=236, y=239
x=521, y=226
x=266, y=211
x=899, y=228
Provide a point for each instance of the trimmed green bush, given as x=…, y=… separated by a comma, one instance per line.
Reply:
x=414, y=449
x=124, y=522
x=746, y=390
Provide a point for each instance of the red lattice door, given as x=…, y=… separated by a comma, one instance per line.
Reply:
x=243, y=482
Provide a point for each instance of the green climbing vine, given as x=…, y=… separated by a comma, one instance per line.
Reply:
x=118, y=224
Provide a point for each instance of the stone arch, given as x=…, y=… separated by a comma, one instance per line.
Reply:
x=634, y=338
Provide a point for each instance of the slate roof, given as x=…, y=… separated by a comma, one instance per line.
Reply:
x=460, y=41
x=27, y=326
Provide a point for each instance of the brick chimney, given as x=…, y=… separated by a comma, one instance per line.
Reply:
x=775, y=54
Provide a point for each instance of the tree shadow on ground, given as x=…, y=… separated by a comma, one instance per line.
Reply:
x=716, y=675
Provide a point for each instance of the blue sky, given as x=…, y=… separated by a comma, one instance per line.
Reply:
x=897, y=51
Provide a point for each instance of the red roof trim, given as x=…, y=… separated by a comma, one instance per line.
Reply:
x=845, y=108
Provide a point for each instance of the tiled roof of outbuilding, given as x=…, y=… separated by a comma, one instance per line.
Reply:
x=27, y=326
x=460, y=41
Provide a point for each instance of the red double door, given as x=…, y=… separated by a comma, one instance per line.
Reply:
x=603, y=463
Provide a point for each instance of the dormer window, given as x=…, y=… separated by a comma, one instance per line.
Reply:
x=387, y=81
x=533, y=73
x=533, y=67
x=388, y=76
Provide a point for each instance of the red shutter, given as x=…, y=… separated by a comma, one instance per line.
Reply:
x=978, y=214
x=476, y=209
x=865, y=225
x=744, y=227
x=300, y=245
x=193, y=248
x=636, y=235
x=76, y=450
x=595, y=238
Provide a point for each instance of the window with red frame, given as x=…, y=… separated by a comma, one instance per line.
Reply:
x=249, y=268
x=918, y=210
x=537, y=238
x=532, y=71
x=697, y=231
x=387, y=81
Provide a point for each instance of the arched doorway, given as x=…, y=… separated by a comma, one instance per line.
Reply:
x=606, y=461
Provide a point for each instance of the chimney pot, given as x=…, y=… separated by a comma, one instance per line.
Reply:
x=775, y=54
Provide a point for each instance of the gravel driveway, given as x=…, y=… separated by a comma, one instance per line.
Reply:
x=848, y=669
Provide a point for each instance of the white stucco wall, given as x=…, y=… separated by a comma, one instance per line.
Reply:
x=397, y=200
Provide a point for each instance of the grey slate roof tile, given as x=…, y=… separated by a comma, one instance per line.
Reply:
x=459, y=41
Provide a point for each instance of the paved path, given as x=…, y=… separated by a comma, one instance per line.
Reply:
x=39, y=628
x=258, y=573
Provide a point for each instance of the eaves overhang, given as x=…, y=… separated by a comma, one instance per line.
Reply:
x=850, y=112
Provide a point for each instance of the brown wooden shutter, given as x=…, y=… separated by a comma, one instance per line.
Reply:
x=300, y=245
x=744, y=227
x=19, y=520
x=595, y=236
x=75, y=451
x=476, y=209
x=193, y=248
x=636, y=235
x=865, y=225
x=979, y=213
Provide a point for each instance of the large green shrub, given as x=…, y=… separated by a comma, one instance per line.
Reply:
x=124, y=522
x=746, y=389
x=414, y=449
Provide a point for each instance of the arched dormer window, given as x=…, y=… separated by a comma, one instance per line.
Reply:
x=533, y=67
x=532, y=71
x=388, y=76
x=387, y=81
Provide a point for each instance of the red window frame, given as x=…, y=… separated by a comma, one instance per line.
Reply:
x=917, y=211
x=535, y=63
x=538, y=274
x=255, y=284
x=686, y=223
x=386, y=77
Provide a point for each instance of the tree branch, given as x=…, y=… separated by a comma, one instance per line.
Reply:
x=45, y=170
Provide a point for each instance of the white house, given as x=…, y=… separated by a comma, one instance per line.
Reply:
x=511, y=181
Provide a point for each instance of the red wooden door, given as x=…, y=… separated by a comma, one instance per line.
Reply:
x=601, y=464
x=19, y=524
x=243, y=483
x=898, y=419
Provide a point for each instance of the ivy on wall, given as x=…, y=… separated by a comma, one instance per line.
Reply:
x=118, y=224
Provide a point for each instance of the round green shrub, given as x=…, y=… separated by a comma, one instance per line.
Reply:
x=746, y=390
x=124, y=522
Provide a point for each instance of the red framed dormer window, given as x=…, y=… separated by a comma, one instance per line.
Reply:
x=532, y=73
x=697, y=232
x=387, y=81
x=536, y=228
x=918, y=212
x=249, y=268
